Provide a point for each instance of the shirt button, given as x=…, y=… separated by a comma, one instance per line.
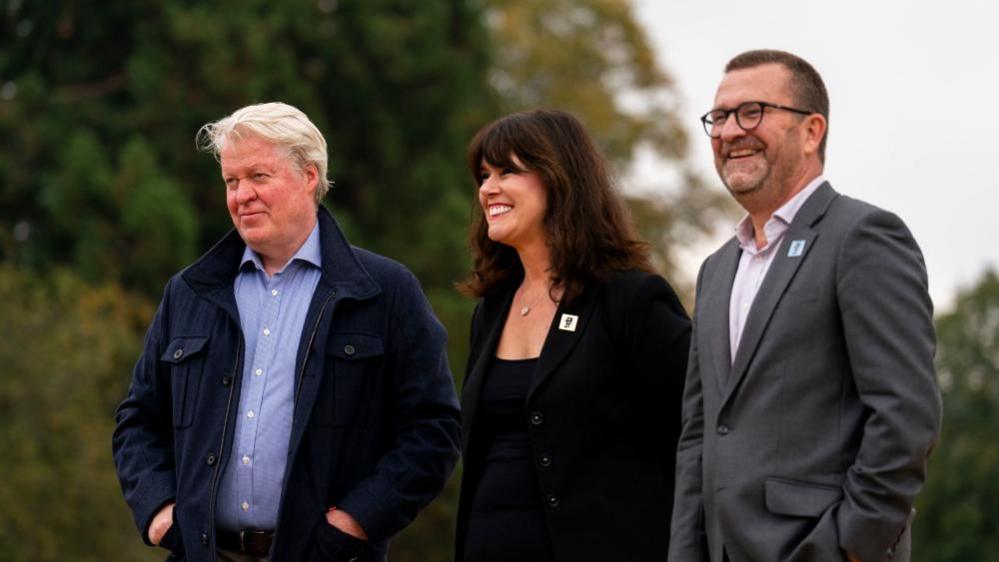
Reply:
x=211, y=459
x=552, y=500
x=545, y=459
x=250, y=414
x=274, y=292
x=537, y=418
x=258, y=372
x=245, y=506
x=267, y=331
x=246, y=459
x=349, y=349
x=722, y=430
x=178, y=354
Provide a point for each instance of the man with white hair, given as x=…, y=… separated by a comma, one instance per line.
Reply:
x=293, y=400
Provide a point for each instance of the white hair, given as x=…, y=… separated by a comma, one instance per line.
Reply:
x=282, y=124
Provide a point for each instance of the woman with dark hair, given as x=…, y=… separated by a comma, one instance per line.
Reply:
x=571, y=402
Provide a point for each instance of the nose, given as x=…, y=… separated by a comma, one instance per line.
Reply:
x=730, y=129
x=488, y=186
x=245, y=192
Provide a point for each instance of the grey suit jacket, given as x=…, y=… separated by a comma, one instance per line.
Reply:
x=813, y=441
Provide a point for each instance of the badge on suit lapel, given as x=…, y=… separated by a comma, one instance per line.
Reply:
x=568, y=322
x=797, y=248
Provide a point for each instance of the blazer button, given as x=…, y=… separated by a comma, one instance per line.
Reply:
x=537, y=418
x=348, y=349
x=226, y=380
x=204, y=539
x=211, y=459
x=178, y=354
x=552, y=500
x=722, y=430
x=545, y=459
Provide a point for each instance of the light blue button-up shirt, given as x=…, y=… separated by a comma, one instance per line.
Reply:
x=272, y=312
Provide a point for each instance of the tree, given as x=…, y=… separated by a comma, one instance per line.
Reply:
x=592, y=58
x=100, y=159
x=958, y=519
x=100, y=175
x=67, y=347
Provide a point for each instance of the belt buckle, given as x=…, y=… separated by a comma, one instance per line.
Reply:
x=253, y=542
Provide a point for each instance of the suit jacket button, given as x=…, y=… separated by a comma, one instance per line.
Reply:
x=552, y=500
x=226, y=380
x=204, y=539
x=545, y=459
x=537, y=418
x=348, y=350
x=722, y=430
x=178, y=354
x=211, y=459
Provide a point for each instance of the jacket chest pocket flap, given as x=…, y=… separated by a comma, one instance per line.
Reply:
x=353, y=363
x=185, y=356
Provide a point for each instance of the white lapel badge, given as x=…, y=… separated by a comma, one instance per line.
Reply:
x=797, y=248
x=568, y=322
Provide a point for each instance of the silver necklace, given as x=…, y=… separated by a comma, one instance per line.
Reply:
x=525, y=309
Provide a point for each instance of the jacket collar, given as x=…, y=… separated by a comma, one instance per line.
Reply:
x=212, y=275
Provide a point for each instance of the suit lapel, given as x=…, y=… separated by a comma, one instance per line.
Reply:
x=492, y=318
x=713, y=310
x=560, y=341
x=781, y=272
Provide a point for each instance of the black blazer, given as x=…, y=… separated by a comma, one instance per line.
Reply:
x=603, y=414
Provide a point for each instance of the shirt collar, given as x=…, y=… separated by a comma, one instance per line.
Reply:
x=786, y=213
x=309, y=252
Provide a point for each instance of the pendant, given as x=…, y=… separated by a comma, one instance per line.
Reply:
x=525, y=310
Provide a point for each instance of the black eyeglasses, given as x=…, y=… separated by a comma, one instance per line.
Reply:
x=748, y=116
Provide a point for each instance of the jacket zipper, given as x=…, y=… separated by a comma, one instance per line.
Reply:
x=308, y=350
x=221, y=459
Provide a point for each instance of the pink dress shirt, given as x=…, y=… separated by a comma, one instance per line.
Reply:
x=755, y=262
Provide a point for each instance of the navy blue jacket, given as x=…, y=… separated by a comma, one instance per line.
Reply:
x=376, y=424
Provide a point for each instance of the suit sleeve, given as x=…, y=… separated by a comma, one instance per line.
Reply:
x=143, y=438
x=887, y=321
x=425, y=445
x=688, y=541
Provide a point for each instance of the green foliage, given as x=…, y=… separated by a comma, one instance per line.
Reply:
x=101, y=187
x=97, y=147
x=958, y=519
x=67, y=348
x=592, y=58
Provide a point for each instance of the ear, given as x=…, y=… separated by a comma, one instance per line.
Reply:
x=815, y=131
x=311, y=174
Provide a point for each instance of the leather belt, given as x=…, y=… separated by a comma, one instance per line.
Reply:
x=247, y=541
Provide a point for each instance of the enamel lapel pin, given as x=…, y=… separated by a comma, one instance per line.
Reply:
x=568, y=322
x=797, y=248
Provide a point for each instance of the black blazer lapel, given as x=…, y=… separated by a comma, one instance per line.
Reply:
x=560, y=339
x=781, y=272
x=490, y=322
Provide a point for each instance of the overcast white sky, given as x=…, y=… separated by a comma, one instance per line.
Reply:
x=913, y=121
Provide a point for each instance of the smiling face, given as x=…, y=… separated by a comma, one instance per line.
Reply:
x=270, y=200
x=514, y=201
x=763, y=167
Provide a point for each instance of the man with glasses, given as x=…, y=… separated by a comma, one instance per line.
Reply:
x=811, y=402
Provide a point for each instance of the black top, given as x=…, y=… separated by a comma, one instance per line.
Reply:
x=507, y=520
x=603, y=414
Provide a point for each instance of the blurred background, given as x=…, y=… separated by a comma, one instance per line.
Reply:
x=103, y=196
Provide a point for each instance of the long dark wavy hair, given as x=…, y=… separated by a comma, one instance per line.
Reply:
x=589, y=230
